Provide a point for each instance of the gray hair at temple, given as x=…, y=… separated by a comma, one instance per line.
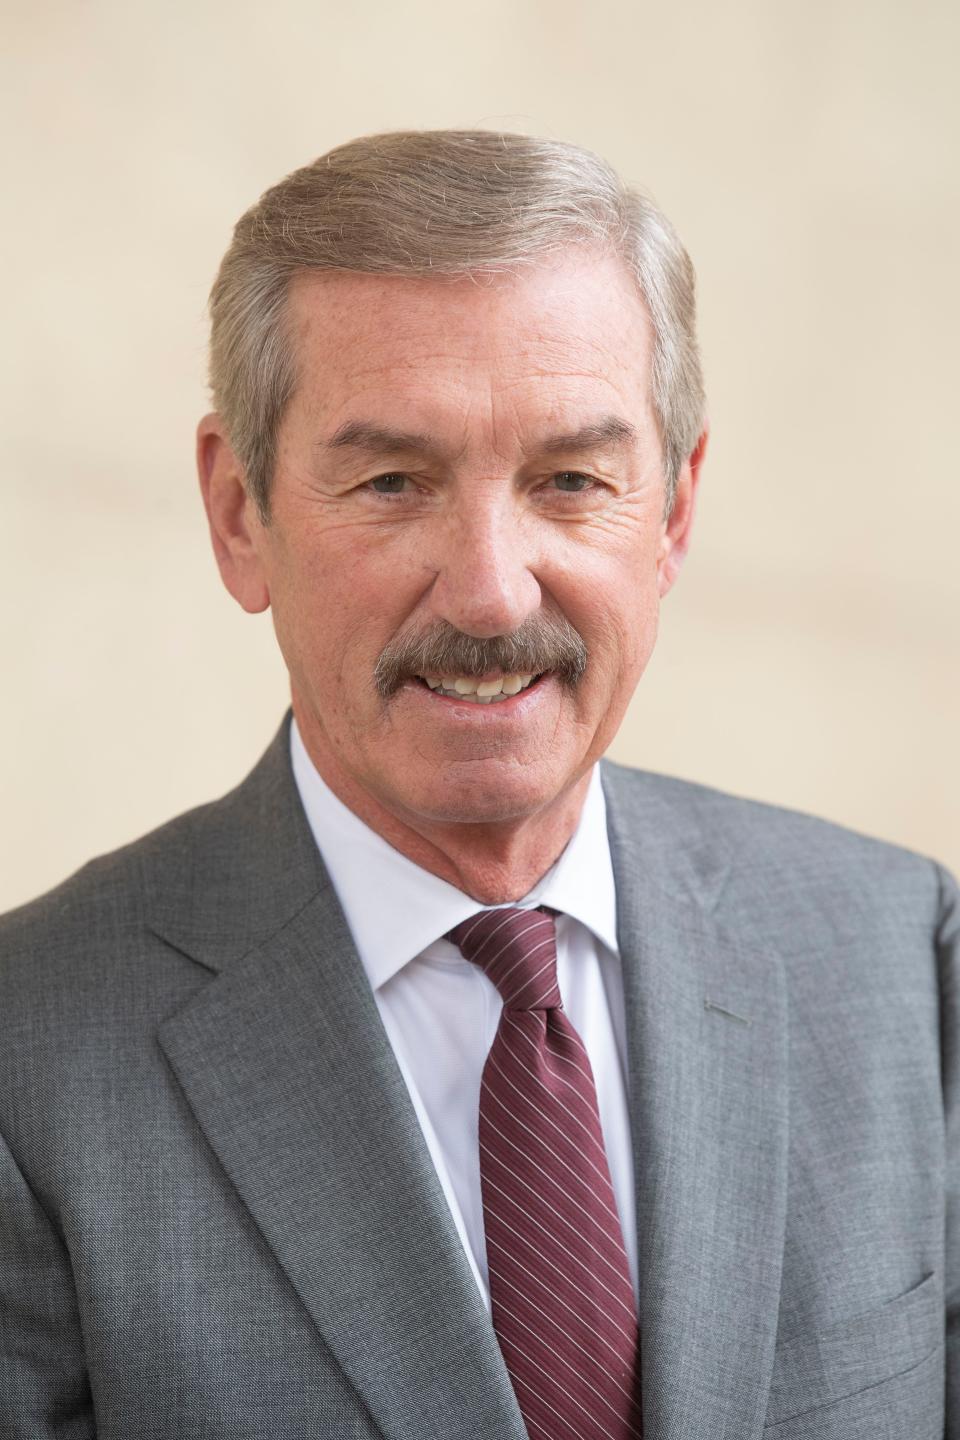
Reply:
x=438, y=203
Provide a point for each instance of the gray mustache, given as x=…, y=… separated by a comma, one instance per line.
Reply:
x=544, y=642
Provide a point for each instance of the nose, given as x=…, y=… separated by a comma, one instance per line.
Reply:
x=484, y=585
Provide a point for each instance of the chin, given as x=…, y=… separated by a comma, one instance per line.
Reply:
x=463, y=795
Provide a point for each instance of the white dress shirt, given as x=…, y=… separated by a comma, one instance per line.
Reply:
x=441, y=1012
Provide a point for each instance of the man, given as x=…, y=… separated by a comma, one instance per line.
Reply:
x=440, y=1082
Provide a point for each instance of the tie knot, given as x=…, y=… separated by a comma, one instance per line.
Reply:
x=517, y=950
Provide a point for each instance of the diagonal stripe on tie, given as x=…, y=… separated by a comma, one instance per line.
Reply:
x=562, y=1301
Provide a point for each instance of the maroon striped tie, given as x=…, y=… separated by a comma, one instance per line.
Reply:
x=563, y=1304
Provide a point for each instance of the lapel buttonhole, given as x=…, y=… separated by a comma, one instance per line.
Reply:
x=730, y=1014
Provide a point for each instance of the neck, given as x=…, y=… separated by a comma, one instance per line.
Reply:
x=496, y=863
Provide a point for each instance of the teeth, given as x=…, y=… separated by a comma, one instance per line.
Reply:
x=478, y=692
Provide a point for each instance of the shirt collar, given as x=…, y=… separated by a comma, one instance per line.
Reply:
x=413, y=907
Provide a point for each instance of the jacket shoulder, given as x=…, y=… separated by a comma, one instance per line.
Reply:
x=773, y=857
x=228, y=872
x=197, y=866
x=106, y=899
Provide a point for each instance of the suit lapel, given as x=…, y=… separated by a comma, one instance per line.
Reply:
x=285, y=1063
x=284, y=1060
x=708, y=1100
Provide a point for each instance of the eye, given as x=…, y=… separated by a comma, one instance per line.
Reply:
x=571, y=482
x=391, y=484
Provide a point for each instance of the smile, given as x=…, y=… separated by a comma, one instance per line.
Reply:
x=475, y=691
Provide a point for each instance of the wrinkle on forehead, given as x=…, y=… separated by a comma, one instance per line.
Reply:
x=549, y=304
x=546, y=351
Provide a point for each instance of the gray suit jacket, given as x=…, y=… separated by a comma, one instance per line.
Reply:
x=218, y=1217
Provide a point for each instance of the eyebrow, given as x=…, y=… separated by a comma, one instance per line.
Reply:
x=360, y=435
x=609, y=430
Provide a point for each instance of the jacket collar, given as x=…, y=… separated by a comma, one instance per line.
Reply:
x=286, y=1066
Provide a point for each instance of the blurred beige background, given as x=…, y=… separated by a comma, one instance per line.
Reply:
x=806, y=153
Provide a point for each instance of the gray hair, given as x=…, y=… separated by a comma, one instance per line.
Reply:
x=438, y=203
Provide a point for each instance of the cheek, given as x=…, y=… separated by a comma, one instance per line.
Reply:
x=616, y=609
x=334, y=613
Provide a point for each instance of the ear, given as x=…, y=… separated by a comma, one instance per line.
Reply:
x=236, y=529
x=678, y=527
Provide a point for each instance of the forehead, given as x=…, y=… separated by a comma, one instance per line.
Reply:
x=555, y=339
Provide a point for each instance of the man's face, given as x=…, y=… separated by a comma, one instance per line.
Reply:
x=475, y=455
